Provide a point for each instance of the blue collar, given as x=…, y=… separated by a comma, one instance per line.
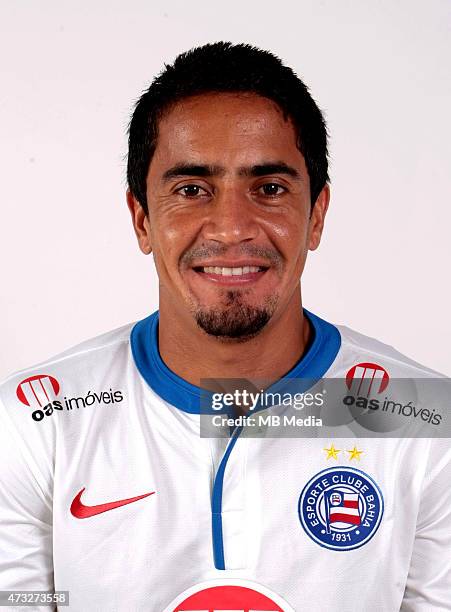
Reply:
x=185, y=396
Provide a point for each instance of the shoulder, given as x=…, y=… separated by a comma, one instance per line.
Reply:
x=358, y=349
x=88, y=349
x=74, y=391
x=76, y=370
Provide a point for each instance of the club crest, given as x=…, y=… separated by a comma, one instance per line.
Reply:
x=341, y=508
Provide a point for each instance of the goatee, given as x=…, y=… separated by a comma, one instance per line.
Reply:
x=236, y=320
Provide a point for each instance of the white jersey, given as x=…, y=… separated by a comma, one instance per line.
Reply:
x=108, y=491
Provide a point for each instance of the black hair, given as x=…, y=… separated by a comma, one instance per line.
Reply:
x=224, y=67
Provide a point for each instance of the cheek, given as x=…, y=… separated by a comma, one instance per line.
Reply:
x=289, y=234
x=170, y=238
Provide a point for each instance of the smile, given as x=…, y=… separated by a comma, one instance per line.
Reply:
x=229, y=275
x=223, y=271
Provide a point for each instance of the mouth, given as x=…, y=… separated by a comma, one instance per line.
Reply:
x=231, y=275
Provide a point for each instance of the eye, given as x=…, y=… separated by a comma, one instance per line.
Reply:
x=191, y=191
x=271, y=189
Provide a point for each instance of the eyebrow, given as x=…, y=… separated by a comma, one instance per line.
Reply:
x=180, y=170
x=269, y=168
x=208, y=171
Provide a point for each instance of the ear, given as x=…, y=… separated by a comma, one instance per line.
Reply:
x=317, y=217
x=141, y=223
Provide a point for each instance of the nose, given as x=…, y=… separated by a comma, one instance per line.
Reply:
x=232, y=218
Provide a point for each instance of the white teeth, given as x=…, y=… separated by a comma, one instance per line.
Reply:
x=230, y=271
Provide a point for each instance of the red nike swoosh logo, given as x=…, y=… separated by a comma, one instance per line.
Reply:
x=79, y=510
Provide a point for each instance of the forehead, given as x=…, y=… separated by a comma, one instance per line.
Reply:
x=226, y=128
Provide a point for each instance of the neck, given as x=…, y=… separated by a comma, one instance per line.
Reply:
x=193, y=355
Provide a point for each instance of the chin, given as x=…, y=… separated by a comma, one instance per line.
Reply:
x=237, y=321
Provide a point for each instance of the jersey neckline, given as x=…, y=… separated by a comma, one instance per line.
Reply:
x=187, y=397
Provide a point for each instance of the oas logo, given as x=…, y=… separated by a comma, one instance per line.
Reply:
x=364, y=377
x=341, y=508
x=37, y=390
x=230, y=596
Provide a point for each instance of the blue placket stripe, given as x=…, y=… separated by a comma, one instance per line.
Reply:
x=216, y=504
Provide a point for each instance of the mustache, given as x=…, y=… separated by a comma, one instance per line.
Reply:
x=203, y=252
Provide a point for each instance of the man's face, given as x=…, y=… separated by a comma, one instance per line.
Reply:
x=229, y=213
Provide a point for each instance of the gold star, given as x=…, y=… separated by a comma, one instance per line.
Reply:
x=354, y=454
x=332, y=452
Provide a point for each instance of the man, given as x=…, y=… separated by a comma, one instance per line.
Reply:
x=108, y=489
